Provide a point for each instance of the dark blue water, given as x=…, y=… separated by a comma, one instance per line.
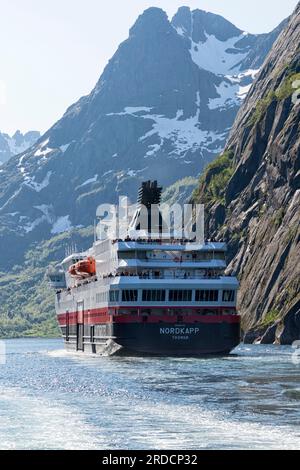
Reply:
x=50, y=399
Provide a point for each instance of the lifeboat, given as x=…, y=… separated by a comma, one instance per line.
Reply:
x=84, y=268
x=72, y=270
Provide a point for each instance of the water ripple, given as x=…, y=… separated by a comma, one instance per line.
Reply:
x=51, y=399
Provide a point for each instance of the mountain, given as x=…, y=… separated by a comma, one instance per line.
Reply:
x=16, y=144
x=252, y=195
x=162, y=108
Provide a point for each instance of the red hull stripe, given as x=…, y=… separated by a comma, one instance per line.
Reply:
x=103, y=316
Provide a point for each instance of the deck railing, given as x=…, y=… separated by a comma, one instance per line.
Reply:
x=147, y=276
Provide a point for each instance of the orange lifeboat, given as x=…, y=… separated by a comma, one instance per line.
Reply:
x=72, y=270
x=84, y=268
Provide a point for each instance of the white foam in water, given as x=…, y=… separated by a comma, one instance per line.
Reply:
x=191, y=427
x=63, y=353
x=35, y=423
x=57, y=353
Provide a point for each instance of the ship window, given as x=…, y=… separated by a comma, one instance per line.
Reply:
x=205, y=256
x=219, y=255
x=114, y=296
x=206, y=296
x=180, y=295
x=228, y=295
x=129, y=295
x=102, y=297
x=127, y=255
x=154, y=295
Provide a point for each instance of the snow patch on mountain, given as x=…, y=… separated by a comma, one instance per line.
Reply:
x=218, y=57
x=248, y=75
x=233, y=90
x=62, y=224
x=29, y=226
x=227, y=96
x=43, y=150
x=181, y=31
x=133, y=173
x=65, y=147
x=59, y=224
x=43, y=153
x=10, y=199
x=47, y=210
x=131, y=111
x=89, y=181
x=184, y=134
x=243, y=91
x=38, y=187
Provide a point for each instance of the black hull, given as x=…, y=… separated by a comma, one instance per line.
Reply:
x=188, y=340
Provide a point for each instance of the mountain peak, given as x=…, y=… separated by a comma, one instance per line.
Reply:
x=151, y=20
x=17, y=134
x=16, y=144
x=183, y=12
x=182, y=21
x=197, y=24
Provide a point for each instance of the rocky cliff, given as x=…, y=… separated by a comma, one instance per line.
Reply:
x=252, y=195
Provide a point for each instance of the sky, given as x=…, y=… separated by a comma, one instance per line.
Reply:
x=52, y=52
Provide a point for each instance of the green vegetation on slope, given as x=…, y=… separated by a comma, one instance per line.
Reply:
x=27, y=302
x=214, y=180
x=283, y=92
x=271, y=317
x=180, y=192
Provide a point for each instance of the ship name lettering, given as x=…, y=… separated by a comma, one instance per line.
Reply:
x=179, y=331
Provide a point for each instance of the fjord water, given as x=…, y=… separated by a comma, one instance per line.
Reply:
x=50, y=399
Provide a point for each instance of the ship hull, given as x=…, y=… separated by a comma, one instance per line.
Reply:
x=217, y=338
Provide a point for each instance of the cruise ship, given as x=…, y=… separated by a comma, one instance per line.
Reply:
x=147, y=296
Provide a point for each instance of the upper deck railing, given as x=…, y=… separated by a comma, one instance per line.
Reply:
x=178, y=277
x=170, y=244
x=161, y=276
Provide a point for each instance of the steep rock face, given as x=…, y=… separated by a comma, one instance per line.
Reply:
x=162, y=109
x=16, y=144
x=253, y=200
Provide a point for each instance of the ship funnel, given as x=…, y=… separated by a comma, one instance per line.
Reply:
x=148, y=221
x=149, y=194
